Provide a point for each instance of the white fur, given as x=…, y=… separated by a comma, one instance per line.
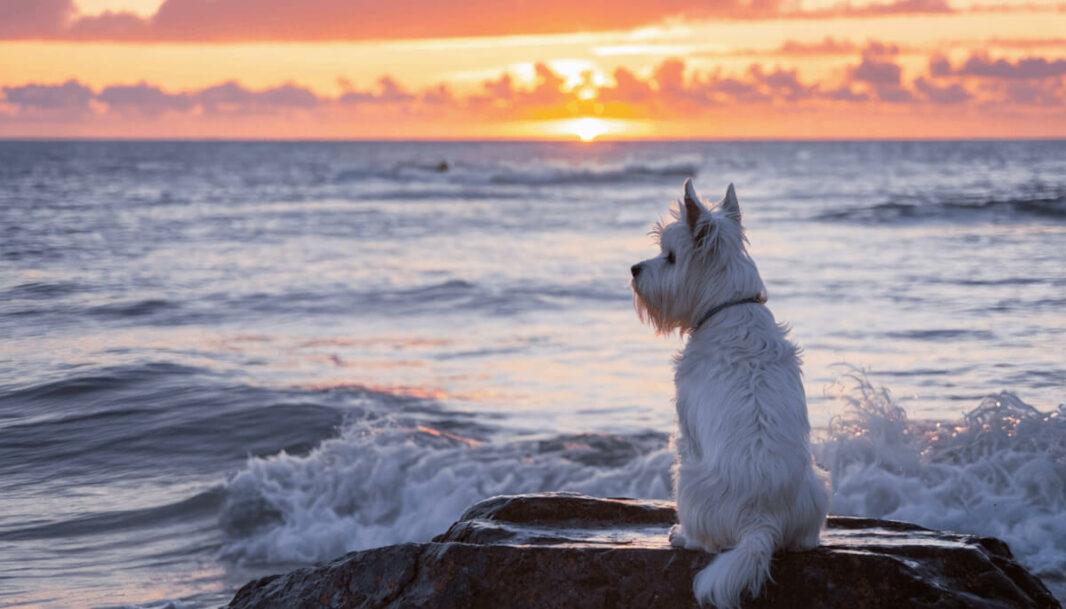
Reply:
x=745, y=480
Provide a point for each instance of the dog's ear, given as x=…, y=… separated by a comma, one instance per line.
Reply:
x=730, y=206
x=698, y=221
x=693, y=207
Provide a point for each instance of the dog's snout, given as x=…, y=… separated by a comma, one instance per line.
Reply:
x=635, y=269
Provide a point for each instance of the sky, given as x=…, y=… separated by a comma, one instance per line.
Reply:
x=518, y=69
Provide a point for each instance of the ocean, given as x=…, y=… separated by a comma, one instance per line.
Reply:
x=220, y=360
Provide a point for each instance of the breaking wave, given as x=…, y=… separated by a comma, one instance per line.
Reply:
x=1000, y=470
x=396, y=482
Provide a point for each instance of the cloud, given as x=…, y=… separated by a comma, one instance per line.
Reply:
x=109, y=26
x=826, y=46
x=239, y=20
x=143, y=99
x=70, y=97
x=1033, y=94
x=320, y=20
x=953, y=93
x=233, y=97
x=877, y=72
x=883, y=77
x=627, y=87
x=903, y=7
x=673, y=90
x=34, y=18
x=389, y=91
x=74, y=99
x=1026, y=68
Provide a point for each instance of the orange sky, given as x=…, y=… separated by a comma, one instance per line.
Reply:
x=497, y=69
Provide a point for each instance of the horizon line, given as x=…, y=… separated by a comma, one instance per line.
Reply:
x=517, y=140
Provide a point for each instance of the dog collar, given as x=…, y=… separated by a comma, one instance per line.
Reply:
x=757, y=299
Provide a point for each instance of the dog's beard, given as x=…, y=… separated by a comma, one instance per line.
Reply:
x=651, y=314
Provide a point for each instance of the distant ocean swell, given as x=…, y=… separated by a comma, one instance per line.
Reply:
x=1000, y=470
x=69, y=303
x=1051, y=206
x=514, y=174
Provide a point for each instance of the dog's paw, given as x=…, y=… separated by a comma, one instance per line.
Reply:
x=678, y=539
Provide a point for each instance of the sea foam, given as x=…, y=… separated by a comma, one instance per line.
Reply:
x=1000, y=470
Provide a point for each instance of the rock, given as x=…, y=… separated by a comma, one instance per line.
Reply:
x=571, y=551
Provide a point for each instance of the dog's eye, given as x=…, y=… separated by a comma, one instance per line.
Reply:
x=670, y=259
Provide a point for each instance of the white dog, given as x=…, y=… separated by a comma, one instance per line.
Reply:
x=745, y=481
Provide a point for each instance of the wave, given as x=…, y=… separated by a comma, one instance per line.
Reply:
x=630, y=173
x=1051, y=207
x=443, y=296
x=532, y=174
x=402, y=481
x=199, y=505
x=137, y=308
x=111, y=378
x=158, y=418
x=395, y=172
x=40, y=290
x=999, y=471
x=942, y=334
x=430, y=298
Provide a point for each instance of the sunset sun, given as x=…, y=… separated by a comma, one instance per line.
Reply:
x=588, y=129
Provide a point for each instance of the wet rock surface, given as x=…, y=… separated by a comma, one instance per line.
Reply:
x=571, y=551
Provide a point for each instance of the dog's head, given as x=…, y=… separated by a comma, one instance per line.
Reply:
x=702, y=263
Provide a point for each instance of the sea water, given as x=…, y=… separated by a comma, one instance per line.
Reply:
x=221, y=360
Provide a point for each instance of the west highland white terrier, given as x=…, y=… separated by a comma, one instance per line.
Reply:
x=745, y=481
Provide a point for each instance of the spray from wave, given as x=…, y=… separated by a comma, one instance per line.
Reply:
x=1000, y=471
x=394, y=481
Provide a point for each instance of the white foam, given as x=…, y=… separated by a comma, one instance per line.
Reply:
x=395, y=483
x=999, y=471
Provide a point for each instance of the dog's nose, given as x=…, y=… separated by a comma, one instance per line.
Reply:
x=635, y=269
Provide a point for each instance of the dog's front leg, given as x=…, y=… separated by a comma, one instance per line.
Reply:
x=679, y=540
x=683, y=448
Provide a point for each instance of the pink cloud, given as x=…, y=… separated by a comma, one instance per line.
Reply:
x=34, y=18
x=905, y=7
x=388, y=91
x=826, y=46
x=953, y=93
x=245, y=20
x=227, y=20
x=70, y=97
x=1027, y=68
x=671, y=91
x=109, y=26
x=233, y=97
x=627, y=87
x=144, y=99
x=884, y=76
x=1027, y=81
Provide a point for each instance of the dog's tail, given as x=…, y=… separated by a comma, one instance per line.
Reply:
x=745, y=567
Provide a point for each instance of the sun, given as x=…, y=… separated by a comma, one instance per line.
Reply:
x=586, y=129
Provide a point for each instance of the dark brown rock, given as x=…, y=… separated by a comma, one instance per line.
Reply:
x=570, y=551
